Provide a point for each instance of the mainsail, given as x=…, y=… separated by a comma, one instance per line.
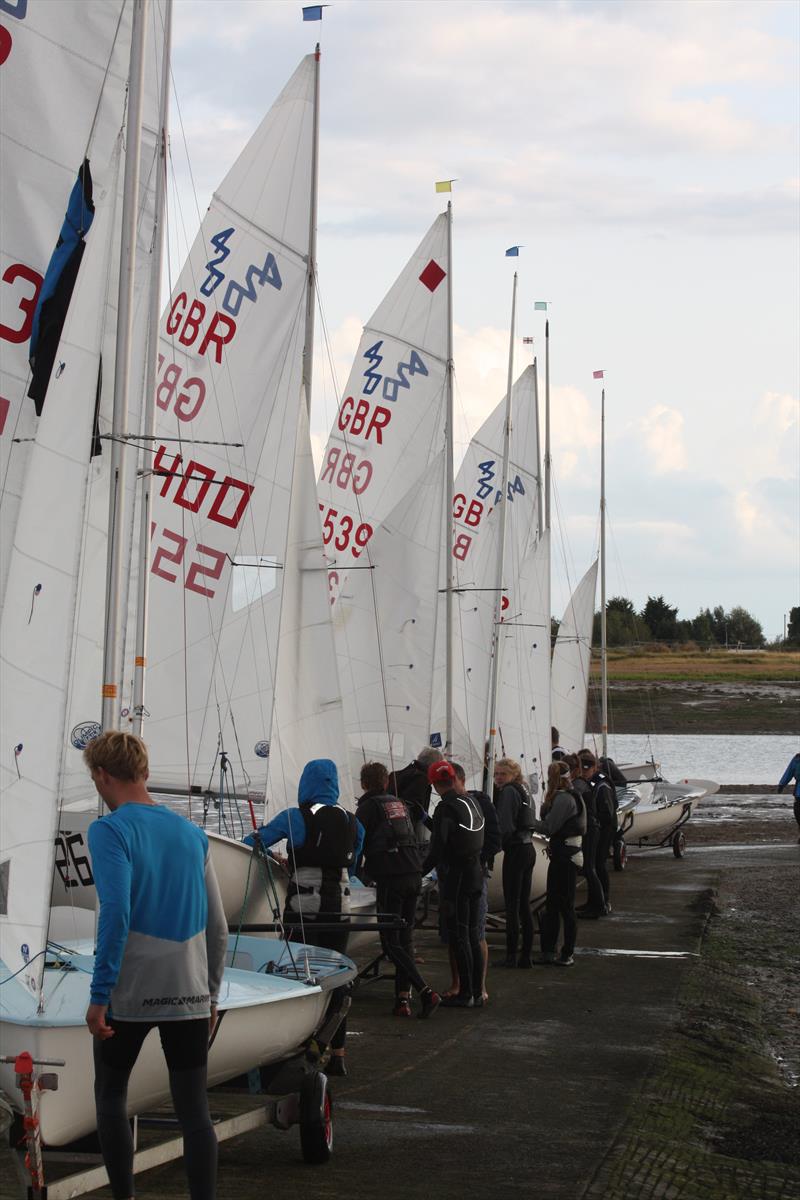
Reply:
x=228, y=396
x=381, y=498
x=571, y=656
x=476, y=511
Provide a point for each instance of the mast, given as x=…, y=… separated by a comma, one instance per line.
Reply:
x=112, y=642
x=603, y=641
x=311, y=290
x=154, y=313
x=448, y=499
x=539, y=489
x=547, y=423
x=501, y=548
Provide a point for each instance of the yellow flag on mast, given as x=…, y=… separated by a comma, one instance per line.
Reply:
x=445, y=185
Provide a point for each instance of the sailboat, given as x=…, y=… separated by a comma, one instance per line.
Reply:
x=50, y=655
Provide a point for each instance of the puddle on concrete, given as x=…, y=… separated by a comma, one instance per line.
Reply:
x=360, y=1106
x=608, y=953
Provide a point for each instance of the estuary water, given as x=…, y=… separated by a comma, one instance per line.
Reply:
x=723, y=758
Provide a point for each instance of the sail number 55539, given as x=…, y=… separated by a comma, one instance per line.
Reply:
x=341, y=531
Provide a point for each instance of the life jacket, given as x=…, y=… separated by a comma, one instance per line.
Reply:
x=605, y=800
x=492, y=842
x=466, y=825
x=330, y=838
x=525, y=814
x=566, y=842
x=392, y=846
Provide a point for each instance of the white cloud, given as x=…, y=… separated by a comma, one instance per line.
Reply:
x=661, y=430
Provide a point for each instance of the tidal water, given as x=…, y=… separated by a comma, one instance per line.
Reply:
x=726, y=759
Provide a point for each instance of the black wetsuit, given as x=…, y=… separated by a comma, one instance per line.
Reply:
x=595, y=899
x=515, y=815
x=392, y=859
x=455, y=848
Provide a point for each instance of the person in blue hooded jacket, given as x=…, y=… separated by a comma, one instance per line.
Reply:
x=322, y=841
x=792, y=772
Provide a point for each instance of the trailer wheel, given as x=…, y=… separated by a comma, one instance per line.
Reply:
x=679, y=844
x=620, y=855
x=316, y=1118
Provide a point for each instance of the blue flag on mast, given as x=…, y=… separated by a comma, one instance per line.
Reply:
x=313, y=12
x=513, y=251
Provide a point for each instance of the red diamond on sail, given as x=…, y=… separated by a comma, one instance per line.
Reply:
x=432, y=276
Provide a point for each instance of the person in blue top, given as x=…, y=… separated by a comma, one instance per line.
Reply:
x=322, y=841
x=161, y=944
x=793, y=772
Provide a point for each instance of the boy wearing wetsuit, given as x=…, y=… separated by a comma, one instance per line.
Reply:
x=161, y=943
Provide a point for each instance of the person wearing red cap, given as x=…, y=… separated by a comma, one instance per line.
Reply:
x=455, y=847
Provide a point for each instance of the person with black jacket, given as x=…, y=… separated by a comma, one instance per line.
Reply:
x=392, y=858
x=411, y=784
x=595, y=900
x=563, y=822
x=492, y=845
x=605, y=805
x=323, y=841
x=454, y=850
x=515, y=814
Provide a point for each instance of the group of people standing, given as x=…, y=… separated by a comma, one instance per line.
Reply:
x=159, y=896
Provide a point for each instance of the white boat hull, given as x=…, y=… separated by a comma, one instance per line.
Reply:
x=661, y=808
x=539, y=883
x=264, y=1018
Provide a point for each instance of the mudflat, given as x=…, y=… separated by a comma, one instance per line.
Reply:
x=664, y=1063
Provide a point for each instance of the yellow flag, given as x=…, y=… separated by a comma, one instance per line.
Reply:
x=445, y=185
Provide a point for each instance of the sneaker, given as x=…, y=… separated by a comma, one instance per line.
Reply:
x=607, y=911
x=564, y=961
x=589, y=914
x=402, y=1008
x=429, y=1002
x=457, y=1002
x=546, y=959
x=525, y=962
x=336, y=1066
x=477, y=1001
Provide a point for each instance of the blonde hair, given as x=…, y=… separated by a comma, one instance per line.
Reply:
x=122, y=755
x=512, y=766
x=557, y=780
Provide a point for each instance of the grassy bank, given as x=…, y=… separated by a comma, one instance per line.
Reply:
x=700, y=666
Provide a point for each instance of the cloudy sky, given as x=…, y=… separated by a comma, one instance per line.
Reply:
x=645, y=154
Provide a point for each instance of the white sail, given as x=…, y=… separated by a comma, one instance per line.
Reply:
x=62, y=96
x=523, y=699
x=386, y=627
x=476, y=512
x=36, y=631
x=391, y=417
x=571, y=660
x=381, y=498
x=308, y=719
x=228, y=395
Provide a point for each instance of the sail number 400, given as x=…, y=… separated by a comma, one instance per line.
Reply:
x=342, y=531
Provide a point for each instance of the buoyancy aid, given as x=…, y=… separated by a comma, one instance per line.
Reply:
x=392, y=847
x=465, y=825
x=330, y=838
x=566, y=841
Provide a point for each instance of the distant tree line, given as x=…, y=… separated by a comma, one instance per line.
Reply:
x=658, y=622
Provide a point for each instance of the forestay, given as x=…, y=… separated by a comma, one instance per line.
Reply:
x=228, y=397
x=571, y=659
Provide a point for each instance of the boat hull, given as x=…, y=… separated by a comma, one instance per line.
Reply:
x=264, y=1018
